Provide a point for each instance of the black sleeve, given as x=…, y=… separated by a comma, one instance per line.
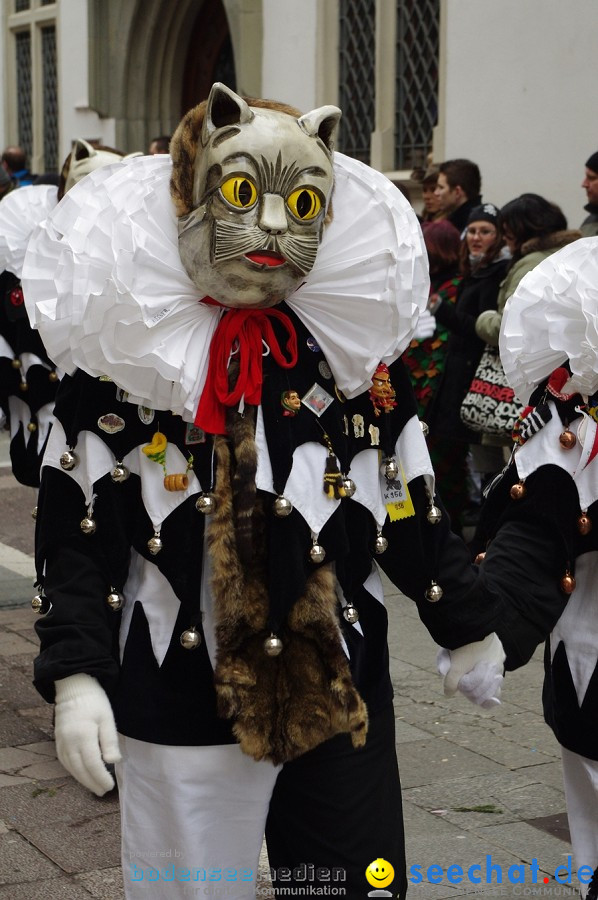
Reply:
x=515, y=592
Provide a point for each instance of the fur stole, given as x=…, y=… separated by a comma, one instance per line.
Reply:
x=282, y=705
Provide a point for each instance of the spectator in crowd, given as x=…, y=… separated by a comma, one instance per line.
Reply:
x=426, y=354
x=458, y=190
x=6, y=182
x=14, y=161
x=533, y=229
x=483, y=268
x=159, y=144
x=589, y=226
x=430, y=204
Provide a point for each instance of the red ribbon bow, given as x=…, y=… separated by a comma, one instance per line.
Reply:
x=247, y=328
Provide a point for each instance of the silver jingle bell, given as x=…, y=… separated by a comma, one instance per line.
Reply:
x=282, y=507
x=351, y=614
x=349, y=487
x=272, y=645
x=68, y=460
x=115, y=600
x=434, y=593
x=205, y=504
x=119, y=473
x=87, y=525
x=37, y=604
x=317, y=554
x=381, y=544
x=34, y=512
x=190, y=639
x=154, y=545
x=425, y=428
x=434, y=515
x=391, y=470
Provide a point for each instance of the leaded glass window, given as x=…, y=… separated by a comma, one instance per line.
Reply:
x=357, y=73
x=416, y=80
x=24, y=113
x=20, y=5
x=50, y=99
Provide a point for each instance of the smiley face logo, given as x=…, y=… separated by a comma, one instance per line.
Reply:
x=379, y=873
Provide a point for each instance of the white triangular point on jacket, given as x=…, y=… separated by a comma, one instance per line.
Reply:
x=104, y=284
x=21, y=212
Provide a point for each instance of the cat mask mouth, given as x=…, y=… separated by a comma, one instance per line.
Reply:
x=266, y=258
x=256, y=198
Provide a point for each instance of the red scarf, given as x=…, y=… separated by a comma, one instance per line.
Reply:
x=247, y=328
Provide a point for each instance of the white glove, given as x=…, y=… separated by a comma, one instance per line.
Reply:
x=476, y=670
x=426, y=326
x=85, y=732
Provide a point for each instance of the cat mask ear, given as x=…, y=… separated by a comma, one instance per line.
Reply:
x=224, y=108
x=323, y=123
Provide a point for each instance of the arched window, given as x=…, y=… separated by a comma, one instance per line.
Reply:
x=357, y=76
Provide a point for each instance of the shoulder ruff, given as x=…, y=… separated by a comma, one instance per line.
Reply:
x=104, y=284
x=20, y=212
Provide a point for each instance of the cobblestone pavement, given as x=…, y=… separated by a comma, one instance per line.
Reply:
x=479, y=788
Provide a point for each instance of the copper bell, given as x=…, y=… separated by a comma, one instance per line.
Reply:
x=53, y=376
x=37, y=604
x=380, y=544
x=68, y=460
x=351, y=614
x=87, y=525
x=154, y=545
x=518, y=491
x=282, y=507
x=391, y=470
x=119, y=473
x=115, y=600
x=568, y=583
x=434, y=515
x=479, y=558
x=317, y=553
x=31, y=427
x=349, y=487
x=272, y=645
x=190, y=639
x=584, y=523
x=434, y=593
x=567, y=439
x=23, y=386
x=205, y=504
x=16, y=363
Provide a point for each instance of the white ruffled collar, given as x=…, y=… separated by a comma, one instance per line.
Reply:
x=553, y=317
x=20, y=212
x=104, y=284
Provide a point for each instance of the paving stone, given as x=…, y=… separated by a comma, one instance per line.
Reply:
x=55, y=802
x=8, y=780
x=43, y=748
x=19, y=861
x=11, y=644
x=44, y=771
x=424, y=762
x=103, y=884
x=16, y=688
x=13, y=758
x=78, y=846
x=57, y=889
x=40, y=716
x=17, y=729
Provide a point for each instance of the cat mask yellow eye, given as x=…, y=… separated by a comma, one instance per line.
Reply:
x=304, y=203
x=239, y=191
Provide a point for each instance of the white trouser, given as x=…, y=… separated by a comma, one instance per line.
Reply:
x=580, y=777
x=192, y=820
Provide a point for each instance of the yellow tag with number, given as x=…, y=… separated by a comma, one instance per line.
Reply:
x=397, y=498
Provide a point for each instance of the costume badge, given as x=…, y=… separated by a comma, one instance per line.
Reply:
x=324, y=369
x=122, y=396
x=290, y=402
x=382, y=393
x=397, y=498
x=194, y=435
x=317, y=399
x=111, y=423
x=313, y=345
x=146, y=414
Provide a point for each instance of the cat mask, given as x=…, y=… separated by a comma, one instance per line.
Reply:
x=251, y=187
x=84, y=159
